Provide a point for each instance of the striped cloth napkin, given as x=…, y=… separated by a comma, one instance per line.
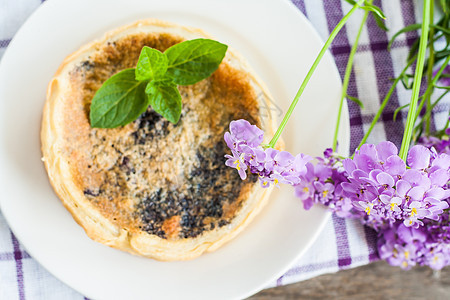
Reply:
x=343, y=243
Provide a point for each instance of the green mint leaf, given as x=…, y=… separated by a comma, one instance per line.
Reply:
x=152, y=64
x=120, y=100
x=165, y=99
x=194, y=60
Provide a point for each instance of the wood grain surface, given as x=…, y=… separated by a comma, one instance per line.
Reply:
x=374, y=281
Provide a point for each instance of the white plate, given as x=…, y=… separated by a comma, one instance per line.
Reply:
x=280, y=45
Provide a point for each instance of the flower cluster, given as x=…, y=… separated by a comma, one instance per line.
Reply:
x=405, y=198
x=407, y=203
x=440, y=145
x=273, y=166
x=408, y=246
x=427, y=245
x=322, y=184
x=388, y=190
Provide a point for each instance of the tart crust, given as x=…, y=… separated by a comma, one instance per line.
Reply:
x=152, y=188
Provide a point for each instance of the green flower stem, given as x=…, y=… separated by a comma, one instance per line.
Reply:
x=448, y=119
x=311, y=71
x=429, y=90
x=385, y=102
x=420, y=107
x=388, y=96
x=348, y=72
x=430, y=70
x=417, y=81
x=428, y=114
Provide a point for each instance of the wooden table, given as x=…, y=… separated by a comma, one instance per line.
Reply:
x=374, y=281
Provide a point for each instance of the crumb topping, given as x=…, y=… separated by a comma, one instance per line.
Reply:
x=151, y=175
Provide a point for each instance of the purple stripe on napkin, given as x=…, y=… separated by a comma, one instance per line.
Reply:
x=318, y=266
x=409, y=18
x=300, y=5
x=306, y=269
x=19, y=266
x=334, y=14
x=309, y=268
x=5, y=256
x=373, y=46
x=343, y=247
x=341, y=49
x=280, y=281
x=371, y=239
x=384, y=70
x=4, y=43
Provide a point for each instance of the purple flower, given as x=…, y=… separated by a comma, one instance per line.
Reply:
x=419, y=157
x=304, y=190
x=242, y=130
x=271, y=165
x=231, y=142
x=237, y=162
x=381, y=185
x=415, y=211
x=440, y=145
x=325, y=191
x=265, y=181
x=321, y=184
x=401, y=246
x=439, y=230
x=437, y=257
x=427, y=245
x=293, y=172
x=407, y=203
x=253, y=156
x=278, y=161
x=393, y=204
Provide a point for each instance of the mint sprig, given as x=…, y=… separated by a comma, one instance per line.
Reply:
x=119, y=101
x=126, y=95
x=194, y=60
x=165, y=99
x=151, y=64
